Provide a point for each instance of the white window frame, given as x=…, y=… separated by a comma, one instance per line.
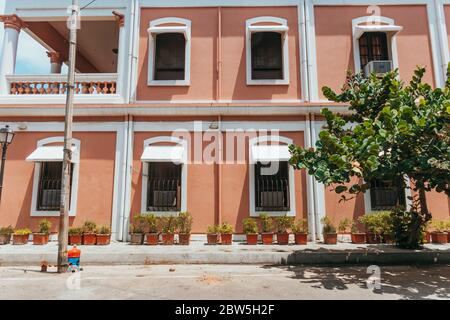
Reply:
x=255, y=25
x=159, y=26
x=184, y=165
x=368, y=199
x=375, y=24
x=251, y=167
x=75, y=176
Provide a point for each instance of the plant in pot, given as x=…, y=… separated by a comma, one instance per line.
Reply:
x=386, y=227
x=300, y=230
x=344, y=227
x=329, y=231
x=137, y=229
x=41, y=237
x=151, y=229
x=185, y=221
x=427, y=232
x=5, y=234
x=104, y=235
x=213, y=233
x=89, y=233
x=20, y=236
x=168, y=228
x=358, y=237
x=75, y=235
x=250, y=227
x=448, y=231
x=283, y=224
x=226, y=233
x=266, y=228
x=373, y=225
x=439, y=235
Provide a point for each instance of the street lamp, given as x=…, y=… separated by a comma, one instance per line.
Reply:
x=6, y=137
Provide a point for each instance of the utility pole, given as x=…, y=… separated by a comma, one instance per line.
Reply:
x=67, y=158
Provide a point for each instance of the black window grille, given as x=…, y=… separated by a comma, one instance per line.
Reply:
x=170, y=56
x=386, y=195
x=164, y=186
x=50, y=183
x=373, y=47
x=267, y=57
x=272, y=191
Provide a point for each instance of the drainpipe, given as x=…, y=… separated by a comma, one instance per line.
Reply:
x=316, y=185
x=220, y=153
x=219, y=55
x=304, y=52
x=131, y=52
x=310, y=186
x=442, y=37
x=127, y=176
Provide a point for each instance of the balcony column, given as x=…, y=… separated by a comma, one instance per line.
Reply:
x=120, y=18
x=12, y=24
x=55, y=62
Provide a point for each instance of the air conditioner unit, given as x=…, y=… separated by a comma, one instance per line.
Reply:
x=378, y=67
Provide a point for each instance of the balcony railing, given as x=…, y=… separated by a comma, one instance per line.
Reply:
x=52, y=84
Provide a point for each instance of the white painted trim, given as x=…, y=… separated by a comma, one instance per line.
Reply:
x=303, y=51
x=311, y=51
x=215, y=3
x=154, y=29
x=74, y=191
x=437, y=57
x=184, y=168
x=368, y=200
x=319, y=188
x=251, y=167
x=282, y=28
x=442, y=34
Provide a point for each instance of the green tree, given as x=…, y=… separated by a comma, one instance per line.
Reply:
x=393, y=130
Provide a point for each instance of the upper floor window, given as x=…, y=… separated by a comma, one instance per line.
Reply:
x=373, y=47
x=272, y=190
x=386, y=195
x=169, y=52
x=267, y=51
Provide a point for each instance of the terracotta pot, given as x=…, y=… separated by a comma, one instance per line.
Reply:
x=330, y=238
x=40, y=238
x=20, y=238
x=283, y=238
x=267, y=238
x=448, y=236
x=152, y=238
x=252, y=238
x=89, y=239
x=137, y=238
x=226, y=238
x=213, y=238
x=75, y=239
x=5, y=238
x=358, y=238
x=301, y=238
x=168, y=238
x=387, y=238
x=103, y=239
x=372, y=238
x=184, y=238
x=427, y=237
x=439, y=237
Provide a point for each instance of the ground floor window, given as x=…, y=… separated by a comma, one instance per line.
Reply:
x=164, y=186
x=272, y=190
x=50, y=183
x=385, y=195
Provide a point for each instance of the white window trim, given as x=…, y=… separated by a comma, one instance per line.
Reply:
x=184, y=27
x=374, y=27
x=282, y=28
x=74, y=191
x=368, y=200
x=182, y=143
x=251, y=168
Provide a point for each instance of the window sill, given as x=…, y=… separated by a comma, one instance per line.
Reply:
x=274, y=213
x=268, y=82
x=36, y=213
x=163, y=213
x=169, y=83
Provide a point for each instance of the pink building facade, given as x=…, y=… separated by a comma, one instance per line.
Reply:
x=183, y=105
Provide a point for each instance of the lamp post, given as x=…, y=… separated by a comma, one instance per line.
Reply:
x=6, y=137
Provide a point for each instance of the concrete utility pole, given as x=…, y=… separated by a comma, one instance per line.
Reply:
x=67, y=160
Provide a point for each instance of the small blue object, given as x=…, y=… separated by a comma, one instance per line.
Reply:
x=74, y=264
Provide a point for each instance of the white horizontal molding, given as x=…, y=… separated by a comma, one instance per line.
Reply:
x=79, y=77
x=215, y=3
x=59, y=126
x=273, y=28
x=367, y=2
x=39, y=99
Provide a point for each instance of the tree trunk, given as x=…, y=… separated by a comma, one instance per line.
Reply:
x=419, y=219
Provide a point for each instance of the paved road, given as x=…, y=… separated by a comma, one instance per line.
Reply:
x=225, y=282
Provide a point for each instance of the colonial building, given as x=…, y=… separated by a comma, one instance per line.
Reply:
x=187, y=105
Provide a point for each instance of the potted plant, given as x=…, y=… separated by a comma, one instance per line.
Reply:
x=5, y=234
x=448, y=231
x=104, y=235
x=344, y=227
x=75, y=235
x=137, y=229
x=185, y=221
x=168, y=228
x=329, y=231
x=213, y=232
x=283, y=223
x=386, y=227
x=151, y=229
x=250, y=227
x=373, y=225
x=41, y=237
x=266, y=228
x=439, y=235
x=226, y=233
x=358, y=237
x=89, y=233
x=20, y=236
x=300, y=229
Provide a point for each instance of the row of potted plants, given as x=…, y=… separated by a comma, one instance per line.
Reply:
x=21, y=236
x=90, y=234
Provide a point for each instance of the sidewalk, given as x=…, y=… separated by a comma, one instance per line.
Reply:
x=238, y=253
